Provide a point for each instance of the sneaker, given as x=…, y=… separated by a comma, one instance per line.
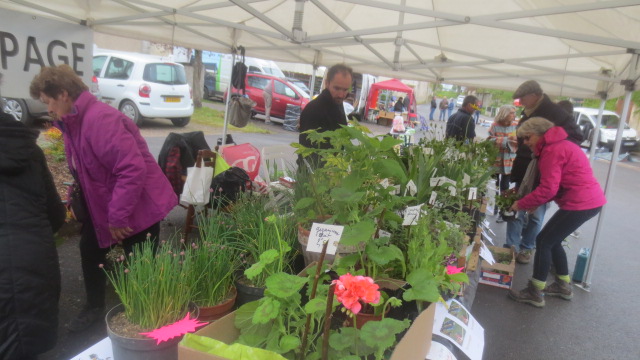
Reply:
x=524, y=257
x=87, y=317
x=529, y=295
x=559, y=288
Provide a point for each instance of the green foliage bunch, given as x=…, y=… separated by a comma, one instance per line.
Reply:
x=154, y=287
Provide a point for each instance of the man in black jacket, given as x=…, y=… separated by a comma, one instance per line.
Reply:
x=523, y=233
x=461, y=125
x=326, y=112
x=30, y=212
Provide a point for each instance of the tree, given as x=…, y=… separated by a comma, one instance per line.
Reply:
x=198, y=79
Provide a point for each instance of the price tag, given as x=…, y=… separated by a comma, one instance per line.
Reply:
x=384, y=234
x=486, y=236
x=432, y=199
x=324, y=232
x=412, y=188
x=466, y=180
x=435, y=181
x=411, y=215
x=472, y=193
x=486, y=254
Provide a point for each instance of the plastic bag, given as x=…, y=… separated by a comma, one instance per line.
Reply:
x=196, y=187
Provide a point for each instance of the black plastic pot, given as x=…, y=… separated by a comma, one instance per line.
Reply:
x=247, y=293
x=508, y=215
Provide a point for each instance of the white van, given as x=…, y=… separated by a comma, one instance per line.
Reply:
x=219, y=71
x=586, y=119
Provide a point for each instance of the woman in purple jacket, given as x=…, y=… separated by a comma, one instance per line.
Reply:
x=126, y=195
x=567, y=178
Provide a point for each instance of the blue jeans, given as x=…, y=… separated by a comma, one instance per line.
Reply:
x=522, y=231
x=433, y=110
x=549, y=241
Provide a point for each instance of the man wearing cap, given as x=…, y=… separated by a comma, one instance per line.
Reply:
x=522, y=232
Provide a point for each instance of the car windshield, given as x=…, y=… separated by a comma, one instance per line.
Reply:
x=611, y=122
x=300, y=85
x=300, y=90
x=165, y=73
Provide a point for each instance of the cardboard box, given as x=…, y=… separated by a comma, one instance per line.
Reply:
x=500, y=275
x=414, y=345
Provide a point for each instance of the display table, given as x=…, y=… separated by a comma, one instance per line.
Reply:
x=99, y=351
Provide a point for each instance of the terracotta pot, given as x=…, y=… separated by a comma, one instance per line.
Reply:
x=363, y=318
x=212, y=313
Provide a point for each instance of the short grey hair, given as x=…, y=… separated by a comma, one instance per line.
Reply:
x=504, y=111
x=534, y=126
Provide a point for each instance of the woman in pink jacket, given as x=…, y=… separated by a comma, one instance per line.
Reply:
x=126, y=195
x=566, y=178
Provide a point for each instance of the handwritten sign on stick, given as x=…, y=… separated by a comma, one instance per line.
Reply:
x=324, y=232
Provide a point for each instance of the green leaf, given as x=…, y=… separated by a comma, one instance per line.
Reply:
x=423, y=287
x=345, y=195
x=387, y=168
x=268, y=309
x=343, y=339
x=315, y=306
x=459, y=277
x=388, y=142
x=283, y=285
x=252, y=334
x=382, y=334
x=288, y=343
x=266, y=258
x=304, y=203
x=357, y=233
x=382, y=255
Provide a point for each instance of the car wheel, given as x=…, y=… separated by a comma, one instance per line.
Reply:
x=18, y=109
x=181, y=122
x=129, y=109
x=253, y=114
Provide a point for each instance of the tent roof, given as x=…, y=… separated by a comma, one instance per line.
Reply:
x=393, y=84
x=572, y=47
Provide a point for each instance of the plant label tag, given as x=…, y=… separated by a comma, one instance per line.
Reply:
x=472, y=193
x=384, y=183
x=485, y=222
x=412, y=188
x=447, y=180
x=487, y=237
x=466, y=180
x=324, y=232
x=434, y=181
x=427, y=151
x=384, y=234
x=486, y=254
x=452, y=191
x=432, y=199
x=396, y=191
x=450, y=225
x=434, y=172
x=411, y=215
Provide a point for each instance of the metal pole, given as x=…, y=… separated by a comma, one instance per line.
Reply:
x=596, y=132
x=313, y=81
x=226, y=105
x=629, y=87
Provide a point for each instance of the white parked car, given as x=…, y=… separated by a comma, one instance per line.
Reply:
x=459, y=100
x=143, y=86
x=586, y=119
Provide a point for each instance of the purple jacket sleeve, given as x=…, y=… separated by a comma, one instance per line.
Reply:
x=550, y=165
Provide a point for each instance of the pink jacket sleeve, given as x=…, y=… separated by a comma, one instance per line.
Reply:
x=550, y=165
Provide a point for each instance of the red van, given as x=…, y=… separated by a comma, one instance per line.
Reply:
x=284, y=92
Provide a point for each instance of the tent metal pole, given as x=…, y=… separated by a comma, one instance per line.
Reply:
x=226, y=105
x=596, y=132
x=629, y=87
x=313, y=80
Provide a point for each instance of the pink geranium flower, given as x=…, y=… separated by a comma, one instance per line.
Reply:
x=350, y=290
x=454, y=270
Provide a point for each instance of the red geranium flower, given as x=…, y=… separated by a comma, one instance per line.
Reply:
x=350, y=290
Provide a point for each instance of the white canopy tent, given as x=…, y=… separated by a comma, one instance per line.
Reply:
x=577, y=48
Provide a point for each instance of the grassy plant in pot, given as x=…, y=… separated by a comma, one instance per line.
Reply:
x=214, y=258
x=154, y=292
x=267, y=245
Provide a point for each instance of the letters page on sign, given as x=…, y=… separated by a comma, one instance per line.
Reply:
x=324, y=232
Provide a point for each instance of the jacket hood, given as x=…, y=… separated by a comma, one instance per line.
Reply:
x=552, y=136
x=18, y=145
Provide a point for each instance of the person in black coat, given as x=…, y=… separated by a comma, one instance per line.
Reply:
x=461, y=125
x=326, y=112
x=30, y=213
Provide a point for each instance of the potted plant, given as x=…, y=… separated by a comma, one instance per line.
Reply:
x=504, y=201
x=214, y=259
x=154, y=292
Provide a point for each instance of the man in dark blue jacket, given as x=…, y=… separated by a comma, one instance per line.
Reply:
x=461, y=125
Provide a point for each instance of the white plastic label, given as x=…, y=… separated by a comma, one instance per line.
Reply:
x=321, y=233
x=411, y=215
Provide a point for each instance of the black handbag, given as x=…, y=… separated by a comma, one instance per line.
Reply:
x=78, y=204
